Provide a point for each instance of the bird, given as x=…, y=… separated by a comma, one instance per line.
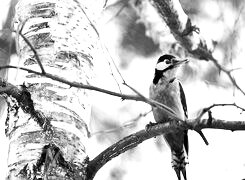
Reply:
x=167, y=89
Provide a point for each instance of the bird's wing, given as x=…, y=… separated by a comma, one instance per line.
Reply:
x=183, y=102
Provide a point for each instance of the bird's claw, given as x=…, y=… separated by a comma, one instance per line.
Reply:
x=149, y=125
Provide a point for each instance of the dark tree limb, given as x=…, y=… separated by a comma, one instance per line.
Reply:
x=127, y=143
x=217, y=124
x=23, y=97
x=155, y=129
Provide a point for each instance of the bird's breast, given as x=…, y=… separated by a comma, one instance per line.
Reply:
x=169, y=95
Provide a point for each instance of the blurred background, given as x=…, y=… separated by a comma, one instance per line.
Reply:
x=135, y=46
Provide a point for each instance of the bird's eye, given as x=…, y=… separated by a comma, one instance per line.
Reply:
x=168, y=61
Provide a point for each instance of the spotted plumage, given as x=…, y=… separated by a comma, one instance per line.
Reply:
x=167, y=89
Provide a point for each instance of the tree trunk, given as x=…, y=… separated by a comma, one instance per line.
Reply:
x=47, y=121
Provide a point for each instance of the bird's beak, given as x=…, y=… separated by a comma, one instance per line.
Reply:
x=177, y=62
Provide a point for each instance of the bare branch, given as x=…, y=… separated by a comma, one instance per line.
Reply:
x=149, y=101
x=207, y=109
x=94, y=88
x=228, y=73
x=217, y=124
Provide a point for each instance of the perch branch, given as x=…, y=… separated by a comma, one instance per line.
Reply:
x=155, y=129
x=217, y=124
x=125, y=144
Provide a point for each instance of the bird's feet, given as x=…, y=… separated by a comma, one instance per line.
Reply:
x=149, y=125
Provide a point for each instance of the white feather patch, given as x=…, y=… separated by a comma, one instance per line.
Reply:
x=161, y=66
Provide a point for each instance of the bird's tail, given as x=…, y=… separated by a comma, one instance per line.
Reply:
x=178, y=163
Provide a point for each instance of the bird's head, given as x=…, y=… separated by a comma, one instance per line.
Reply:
x=167, y=66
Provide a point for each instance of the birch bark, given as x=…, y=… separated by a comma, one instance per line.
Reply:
x=48, y=138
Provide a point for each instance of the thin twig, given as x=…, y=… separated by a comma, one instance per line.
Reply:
x=148, y=100
x=32, y=48
x=105, y=3
x=89, y=20
x=118, y=70
x=125, y=3
x=104, y=47
x=228, y=73
x=239, y=15
x=134, y=90
x=205, y=110
x=126, y=124
x=94, y=88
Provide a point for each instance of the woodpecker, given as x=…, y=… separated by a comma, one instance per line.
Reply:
x=167, y=89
